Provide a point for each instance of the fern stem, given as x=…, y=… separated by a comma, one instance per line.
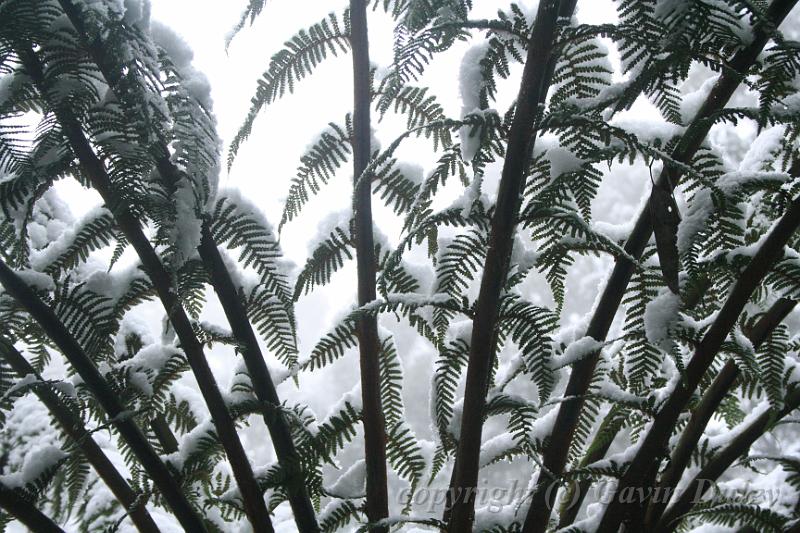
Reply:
x=263, y=386
x=186, y=514
x=708, y=404
x=164, y=435
x=235, y=311
x=555, y=454
x=701, y=414
x=74, y=428
x=536, y=77
x=94, y=170
x=644, y=465
x=26, y=512
x=367, y=326
x=722, y=460
x=602, y=440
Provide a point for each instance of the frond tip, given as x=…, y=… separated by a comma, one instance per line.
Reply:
x=299, y=57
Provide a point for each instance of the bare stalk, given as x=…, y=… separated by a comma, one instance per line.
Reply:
x=74, y=428
x=26, y=512
x=539, y=66
x=94, y=170
x=367, y=326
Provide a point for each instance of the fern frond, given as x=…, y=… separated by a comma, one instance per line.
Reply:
x=302, y=53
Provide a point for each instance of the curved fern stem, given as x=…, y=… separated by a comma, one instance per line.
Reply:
x=644, y=466
x=186, y=514
x=555, y=454
x=26, y=512
x=369, y=344
x=95, y=172
x=708, y=404
x=74, y=428
x=539, y=67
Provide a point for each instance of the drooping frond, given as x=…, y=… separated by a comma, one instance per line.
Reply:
x=302, y=53
x=317, y=166
x=327, y=258
x=240, y=225
x=253, y=9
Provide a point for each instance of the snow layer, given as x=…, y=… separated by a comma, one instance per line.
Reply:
x=660, y=316
x=470, y=85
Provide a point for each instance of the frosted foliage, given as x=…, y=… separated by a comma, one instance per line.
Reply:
x=582, y=307
x=30, y=443
x=351, y=484
x=660, y=316
x=181, y=55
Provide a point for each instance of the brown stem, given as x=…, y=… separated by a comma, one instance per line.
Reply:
x=74, y=428
x=536, y=77
x=26, y=512
x=367, y=326
x=183, y=510
x=721, y=461
x=645, y=463
x=164, y=435
x=711, y=400
x=263, y=386
x=555, y=454
x=95, y=172
x=226, y=291
x=602, y=440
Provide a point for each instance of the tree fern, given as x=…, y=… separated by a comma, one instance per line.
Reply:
x=482, y=372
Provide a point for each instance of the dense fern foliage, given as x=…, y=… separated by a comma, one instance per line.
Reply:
x=644, y=337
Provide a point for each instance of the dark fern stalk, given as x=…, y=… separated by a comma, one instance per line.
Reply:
x=701, y=414
x=723, y=460
x=183, y=510
x=604, y=438
x=369, y=344
x=708, y=404
x=26, y=512
x=554, y=457
x=232, y=305
x=262, y=383
x=539, y=67
x=74, y=428
x=644, y=465
x=129, y=225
